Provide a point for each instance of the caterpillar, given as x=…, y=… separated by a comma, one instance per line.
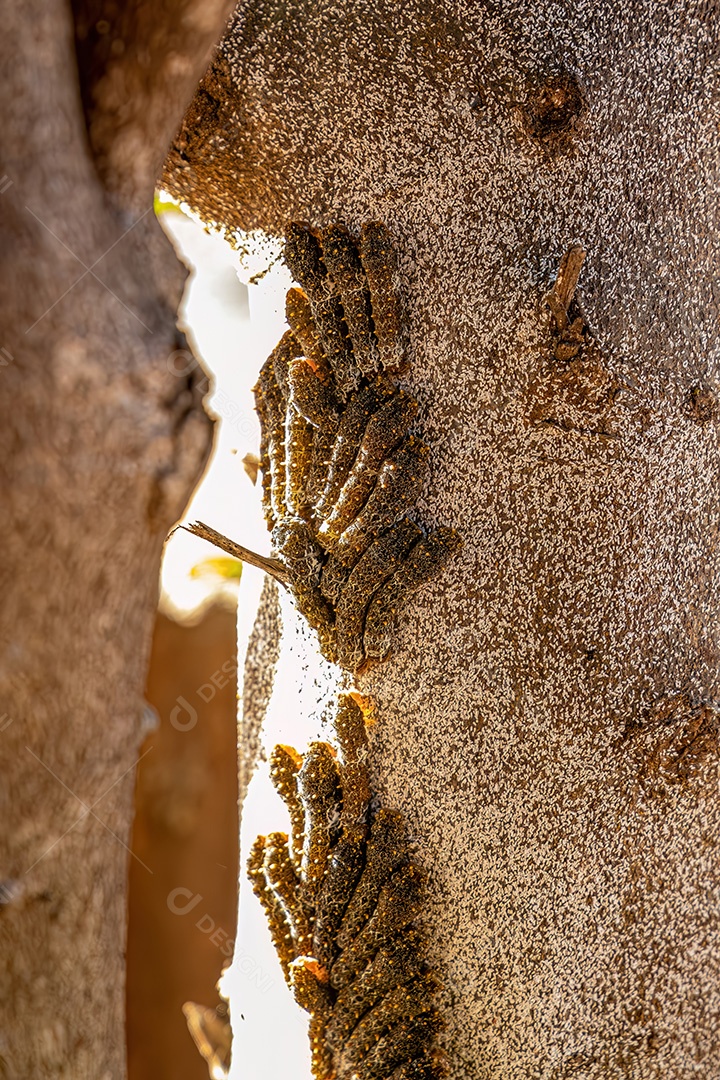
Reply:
x=342, y=894
x=341, y=466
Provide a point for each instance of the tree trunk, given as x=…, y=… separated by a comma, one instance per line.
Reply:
x=101, y=443
x=549, y=719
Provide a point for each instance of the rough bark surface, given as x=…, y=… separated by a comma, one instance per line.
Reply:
x=99, y=446
x=137, y=61
x=549, y=721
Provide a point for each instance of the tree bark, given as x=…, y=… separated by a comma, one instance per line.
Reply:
x=100, y=444
x=549, y=721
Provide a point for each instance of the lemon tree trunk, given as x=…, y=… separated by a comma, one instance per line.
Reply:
x=549, y=718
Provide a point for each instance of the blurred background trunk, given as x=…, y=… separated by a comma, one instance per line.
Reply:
x=100, y=444
x=181, y=918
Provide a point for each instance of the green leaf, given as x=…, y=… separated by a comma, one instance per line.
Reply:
x=163, y=204
x=221, y=566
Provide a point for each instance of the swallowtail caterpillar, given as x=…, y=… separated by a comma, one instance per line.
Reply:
x=341, y=893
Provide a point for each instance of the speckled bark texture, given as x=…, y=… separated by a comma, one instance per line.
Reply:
x=549, y=720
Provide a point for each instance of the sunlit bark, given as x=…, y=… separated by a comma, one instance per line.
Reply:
x=549, y=720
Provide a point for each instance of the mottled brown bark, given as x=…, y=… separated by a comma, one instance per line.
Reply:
x=549, y=721
x=99, y=446
x=137, y=62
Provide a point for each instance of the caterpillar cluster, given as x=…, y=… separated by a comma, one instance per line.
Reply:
x=341, y=467
x=341, y=894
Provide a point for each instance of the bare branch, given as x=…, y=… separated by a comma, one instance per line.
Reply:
x=271, y=566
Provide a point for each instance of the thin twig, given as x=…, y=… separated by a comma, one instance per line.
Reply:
x=271, y=566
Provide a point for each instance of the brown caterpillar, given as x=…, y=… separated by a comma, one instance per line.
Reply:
x=341, y=466
x=342, y=916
